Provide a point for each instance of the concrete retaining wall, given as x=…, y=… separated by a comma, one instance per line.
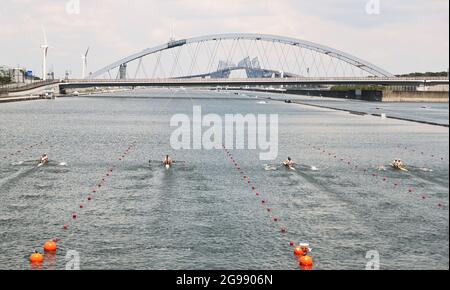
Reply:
x=378, y=96
x=419, y=97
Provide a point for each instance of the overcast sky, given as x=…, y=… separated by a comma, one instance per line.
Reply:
x=405, y=36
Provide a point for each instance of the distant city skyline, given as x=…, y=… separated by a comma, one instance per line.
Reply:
x=401, y=37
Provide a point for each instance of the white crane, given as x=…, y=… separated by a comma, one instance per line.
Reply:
x=85, y=64
x=44, y=48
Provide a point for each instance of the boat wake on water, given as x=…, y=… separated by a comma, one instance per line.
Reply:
x=272, y=167
x=38, y=164
x=17, y=175
x=381, y=168
x=29, y=167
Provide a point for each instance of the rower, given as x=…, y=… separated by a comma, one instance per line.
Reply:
x=289, y=162
x=44, y=158
x=168, y=161
x=398, y=164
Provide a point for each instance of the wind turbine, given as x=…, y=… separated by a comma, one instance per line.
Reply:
x=44, y=48
x=84, y=59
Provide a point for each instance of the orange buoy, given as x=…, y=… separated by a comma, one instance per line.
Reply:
x=306, y=268
x=298, y=251
x=50, y=246
x=306, y=261
x=36, y=258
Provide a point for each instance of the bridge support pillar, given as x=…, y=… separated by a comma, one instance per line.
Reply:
x=123, y=71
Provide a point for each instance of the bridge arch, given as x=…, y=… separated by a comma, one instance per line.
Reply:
x=287, y=57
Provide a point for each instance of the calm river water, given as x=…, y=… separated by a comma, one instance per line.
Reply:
x=201, y=214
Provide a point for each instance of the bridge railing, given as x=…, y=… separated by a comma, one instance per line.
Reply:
x=259, y=80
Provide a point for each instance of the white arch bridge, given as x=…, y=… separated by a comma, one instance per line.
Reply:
x=239, y=55
x=238, y=60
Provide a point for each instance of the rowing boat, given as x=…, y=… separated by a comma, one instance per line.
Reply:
x=42, y=163
x=400, y=168
x=289, y=166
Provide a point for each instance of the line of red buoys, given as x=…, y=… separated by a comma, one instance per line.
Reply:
x=305, y=262
x=366, y=171
x=18, y=152
x=423, y=153
x=51, y=246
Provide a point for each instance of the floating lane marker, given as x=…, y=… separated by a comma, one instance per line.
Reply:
x=51, y=246
x=304, y=261
x=18, y=152
x=430, y=155
x=383, y=179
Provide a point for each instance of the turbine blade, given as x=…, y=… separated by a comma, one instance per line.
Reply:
x=45, y=35
x=87, y=51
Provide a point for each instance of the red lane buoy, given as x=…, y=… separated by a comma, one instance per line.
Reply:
x=36, y=258
x=283, y=230
x=89, y=198
x=65, y=227
x=306, y=268
x=74, y=216
x=50, y=246
x=306, y=261
x=291, y=244
x=298, y=251
x=81, y=206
